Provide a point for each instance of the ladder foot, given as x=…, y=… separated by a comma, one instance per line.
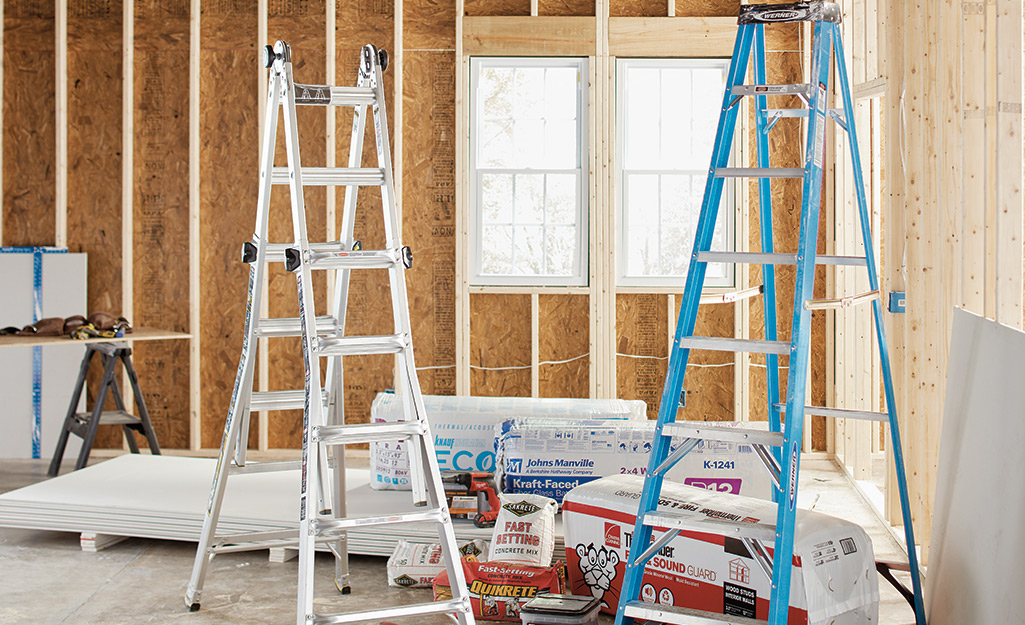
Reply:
x=191, y=605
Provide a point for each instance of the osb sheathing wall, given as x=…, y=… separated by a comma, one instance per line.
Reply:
x=159, y=257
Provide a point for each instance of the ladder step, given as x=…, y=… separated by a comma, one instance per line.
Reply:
x=367, y=432
x=359, y=259
x=841, y=413
x=327, y=95
x=328, y=526
x=802, y=112
x=718, y=344
x=711, y=432
x=265, y=467
x=291, y=326
x=659, y=613
x=801, y=89
x=776, y=258
x=759, y=172
x=697, y=522
x=452, y=606
x=281, y=400
x=110, y=417
x=332, y=176
x=362, y=345
x=276, y=251
x=841, y=302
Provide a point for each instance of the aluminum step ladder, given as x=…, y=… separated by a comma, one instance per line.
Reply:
x=779, y=448
x=322, y=517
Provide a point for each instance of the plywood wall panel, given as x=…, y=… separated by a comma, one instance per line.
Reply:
x=477, y=8
x=302, y=26
x=641, y=334
x=707, y=8
x=428, y=210
x=638, y=8
x=563, y=334
x=429, y=24
x=565, y=7
x=500, y=337
x=29, y=140
x=94, y=161
x=229, y=164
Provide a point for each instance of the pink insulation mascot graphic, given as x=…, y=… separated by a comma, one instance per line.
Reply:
x=598, y=566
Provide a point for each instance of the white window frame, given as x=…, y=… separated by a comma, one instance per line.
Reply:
x=580, y=277
x=727, y=213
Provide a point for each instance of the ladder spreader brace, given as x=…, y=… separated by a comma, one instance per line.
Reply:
x=779, y=448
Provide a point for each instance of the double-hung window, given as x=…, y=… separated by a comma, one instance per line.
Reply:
x=667, y=115
x=528, y=162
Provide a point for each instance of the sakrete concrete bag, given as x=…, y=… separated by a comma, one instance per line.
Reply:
x=415, y=565
x=464, y=429
x=551, y=456
x=524, y=530
x=497, y=589
x=834, y=578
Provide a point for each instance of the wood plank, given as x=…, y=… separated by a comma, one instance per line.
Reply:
x=500, y=345
x=136, y=335
x=462, y=212
x=642, y=357
x=672, y=37
x=973, y=93
x=1010, y=252
x=29, y=145
x=160, y=219
x=529, y=36
x=195, y=397
x=229, y=71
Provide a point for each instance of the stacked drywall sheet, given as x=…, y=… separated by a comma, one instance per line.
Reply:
x=165, y=497
x=36, y=398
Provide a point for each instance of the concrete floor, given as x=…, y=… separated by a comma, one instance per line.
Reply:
x=45, y=577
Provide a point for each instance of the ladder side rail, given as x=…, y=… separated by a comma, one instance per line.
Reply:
x=313, y=409
x=685, y=324
x=765, y=218
x=238, y=411
x=412, y=408
x=779, y=603
x=877, y=312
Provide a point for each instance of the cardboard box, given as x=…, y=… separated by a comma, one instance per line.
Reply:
x=834, y=578
x=464, y=429
x=551, y=456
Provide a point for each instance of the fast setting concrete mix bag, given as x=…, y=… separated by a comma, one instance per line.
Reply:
x=524, y=530
x=464, y=429
x=551, y=456
x=834, y=578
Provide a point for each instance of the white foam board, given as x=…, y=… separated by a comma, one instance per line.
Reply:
x=977, y=551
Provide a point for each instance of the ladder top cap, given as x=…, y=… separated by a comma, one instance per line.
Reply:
x=816, y=11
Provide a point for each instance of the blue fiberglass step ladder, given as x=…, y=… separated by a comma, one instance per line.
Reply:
x=784, y=441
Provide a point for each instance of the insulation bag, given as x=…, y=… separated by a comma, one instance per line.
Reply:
x=497, y=589
x=524, y=530
x=415, y=565
x=834, y=580
x=464, y=429
x=551, y=456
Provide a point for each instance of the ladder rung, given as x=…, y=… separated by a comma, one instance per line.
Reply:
x=696, y=522
x=265, y=467
x=841, y=302
x=362, y=345
x=731, y=296
x=776, y=258
x=367, y=432
x=719, y=344
x=356, y=259
x=417, y=609
x=327, y=95
x=276, y=251
x=730, y=434
x=280, y=400
x=327, y=526
x=110, y=417
x=797, y=89
x=660, y=613
x=841, y=413
x=801, y=112
x=249, y=541
x=759, y=172
x=332, y=176
x=291, y=326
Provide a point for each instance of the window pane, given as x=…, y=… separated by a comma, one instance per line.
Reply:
x=528, y=136
x=560, y=145
x=497, y=198
x=495, y=92
x=529, y=92
x=528, y=198
x=529, y=258
x=560, y=249
x=561, y=85
x=643, y=251
x=561, y=199
x=642, y=201
x=496, y=141
x=496, y=251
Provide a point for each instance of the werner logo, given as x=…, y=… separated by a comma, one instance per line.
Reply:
x=613, y=534
x=521, y=508
x=782, y=16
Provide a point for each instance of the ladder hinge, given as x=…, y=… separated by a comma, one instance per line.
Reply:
x=248, y=252
x=293, y=258
x=683, y=398
x=407, y=257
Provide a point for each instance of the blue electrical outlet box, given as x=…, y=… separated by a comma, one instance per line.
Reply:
x=897, y=301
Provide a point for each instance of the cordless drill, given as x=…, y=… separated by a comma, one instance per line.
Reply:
x=472, y=495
